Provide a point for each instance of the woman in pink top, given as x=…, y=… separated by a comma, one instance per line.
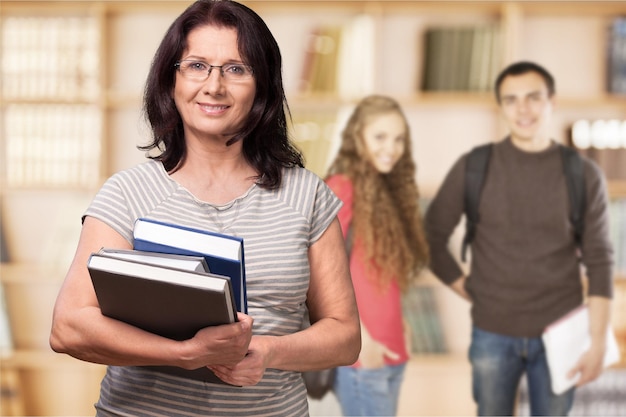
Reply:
x=374, y=175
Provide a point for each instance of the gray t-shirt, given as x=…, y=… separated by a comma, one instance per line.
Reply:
x=277, y=226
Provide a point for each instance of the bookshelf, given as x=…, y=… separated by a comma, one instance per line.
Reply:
x=66, y=127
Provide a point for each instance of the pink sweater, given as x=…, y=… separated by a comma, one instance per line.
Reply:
x=380, y=311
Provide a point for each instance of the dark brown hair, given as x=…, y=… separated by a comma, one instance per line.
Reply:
x=266, y=144
x=523, y=67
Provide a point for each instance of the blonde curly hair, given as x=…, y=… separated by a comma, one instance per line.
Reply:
x=386, y=215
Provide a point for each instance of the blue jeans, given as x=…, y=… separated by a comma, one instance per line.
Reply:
x=498, y=363
x=369, y=392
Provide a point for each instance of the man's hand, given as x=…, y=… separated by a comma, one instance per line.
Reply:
x=589, y=367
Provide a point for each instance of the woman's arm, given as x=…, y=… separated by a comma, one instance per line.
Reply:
x=80, y=330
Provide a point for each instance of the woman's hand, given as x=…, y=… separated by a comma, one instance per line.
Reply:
x=223, y=345
x=251, y=369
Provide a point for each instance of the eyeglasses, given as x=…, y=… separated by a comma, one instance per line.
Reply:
x=200, y=71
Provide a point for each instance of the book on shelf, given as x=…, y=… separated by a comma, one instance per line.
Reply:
x=223, y=253
x=617, y=227
x=566, y=340
x=51, y=84
x=618, y=206
x=617, y=56
x=172, y=302
x=421, y=312
x=37, y=50
x=6, y=336
x=461, y=58
x=355, y=71
x=51, y=144
x=433, y=59
x=320, y=67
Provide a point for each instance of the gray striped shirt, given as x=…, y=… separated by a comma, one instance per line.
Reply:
x=277, y=226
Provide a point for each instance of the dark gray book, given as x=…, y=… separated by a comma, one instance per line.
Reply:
x=171, y=302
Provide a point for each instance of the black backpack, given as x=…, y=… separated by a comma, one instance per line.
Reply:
x=476, y=169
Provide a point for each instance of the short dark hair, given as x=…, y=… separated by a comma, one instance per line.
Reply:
x=266, y=144
x=522, y=67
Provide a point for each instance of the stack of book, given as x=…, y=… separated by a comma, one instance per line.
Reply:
x=182, y=280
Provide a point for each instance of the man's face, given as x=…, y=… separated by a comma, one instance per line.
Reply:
x=526, y=107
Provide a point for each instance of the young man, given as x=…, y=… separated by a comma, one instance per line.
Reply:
x=525, y=268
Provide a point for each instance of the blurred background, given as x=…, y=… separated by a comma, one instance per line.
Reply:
x=72, y=79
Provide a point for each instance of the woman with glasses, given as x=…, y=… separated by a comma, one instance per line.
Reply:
x=374, y=175
x=221, y=161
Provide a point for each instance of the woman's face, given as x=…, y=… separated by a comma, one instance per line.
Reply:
x=214, y=107
x=385, y=140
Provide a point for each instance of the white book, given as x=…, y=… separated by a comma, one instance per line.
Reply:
x=566, y=340
x=188, y=262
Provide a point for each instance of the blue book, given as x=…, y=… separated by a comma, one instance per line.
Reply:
x=224, y=254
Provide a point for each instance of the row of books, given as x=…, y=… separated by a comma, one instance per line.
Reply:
x=461, y=58
x=52, y=145
x=50, y=57
x=611, y=161
x=338, y=58
x=603, y=141
x=599, y=134
x=421, y=312
x=617, y=56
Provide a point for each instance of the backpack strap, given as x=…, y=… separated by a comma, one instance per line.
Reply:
x=476, y=166
x=573, y=169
